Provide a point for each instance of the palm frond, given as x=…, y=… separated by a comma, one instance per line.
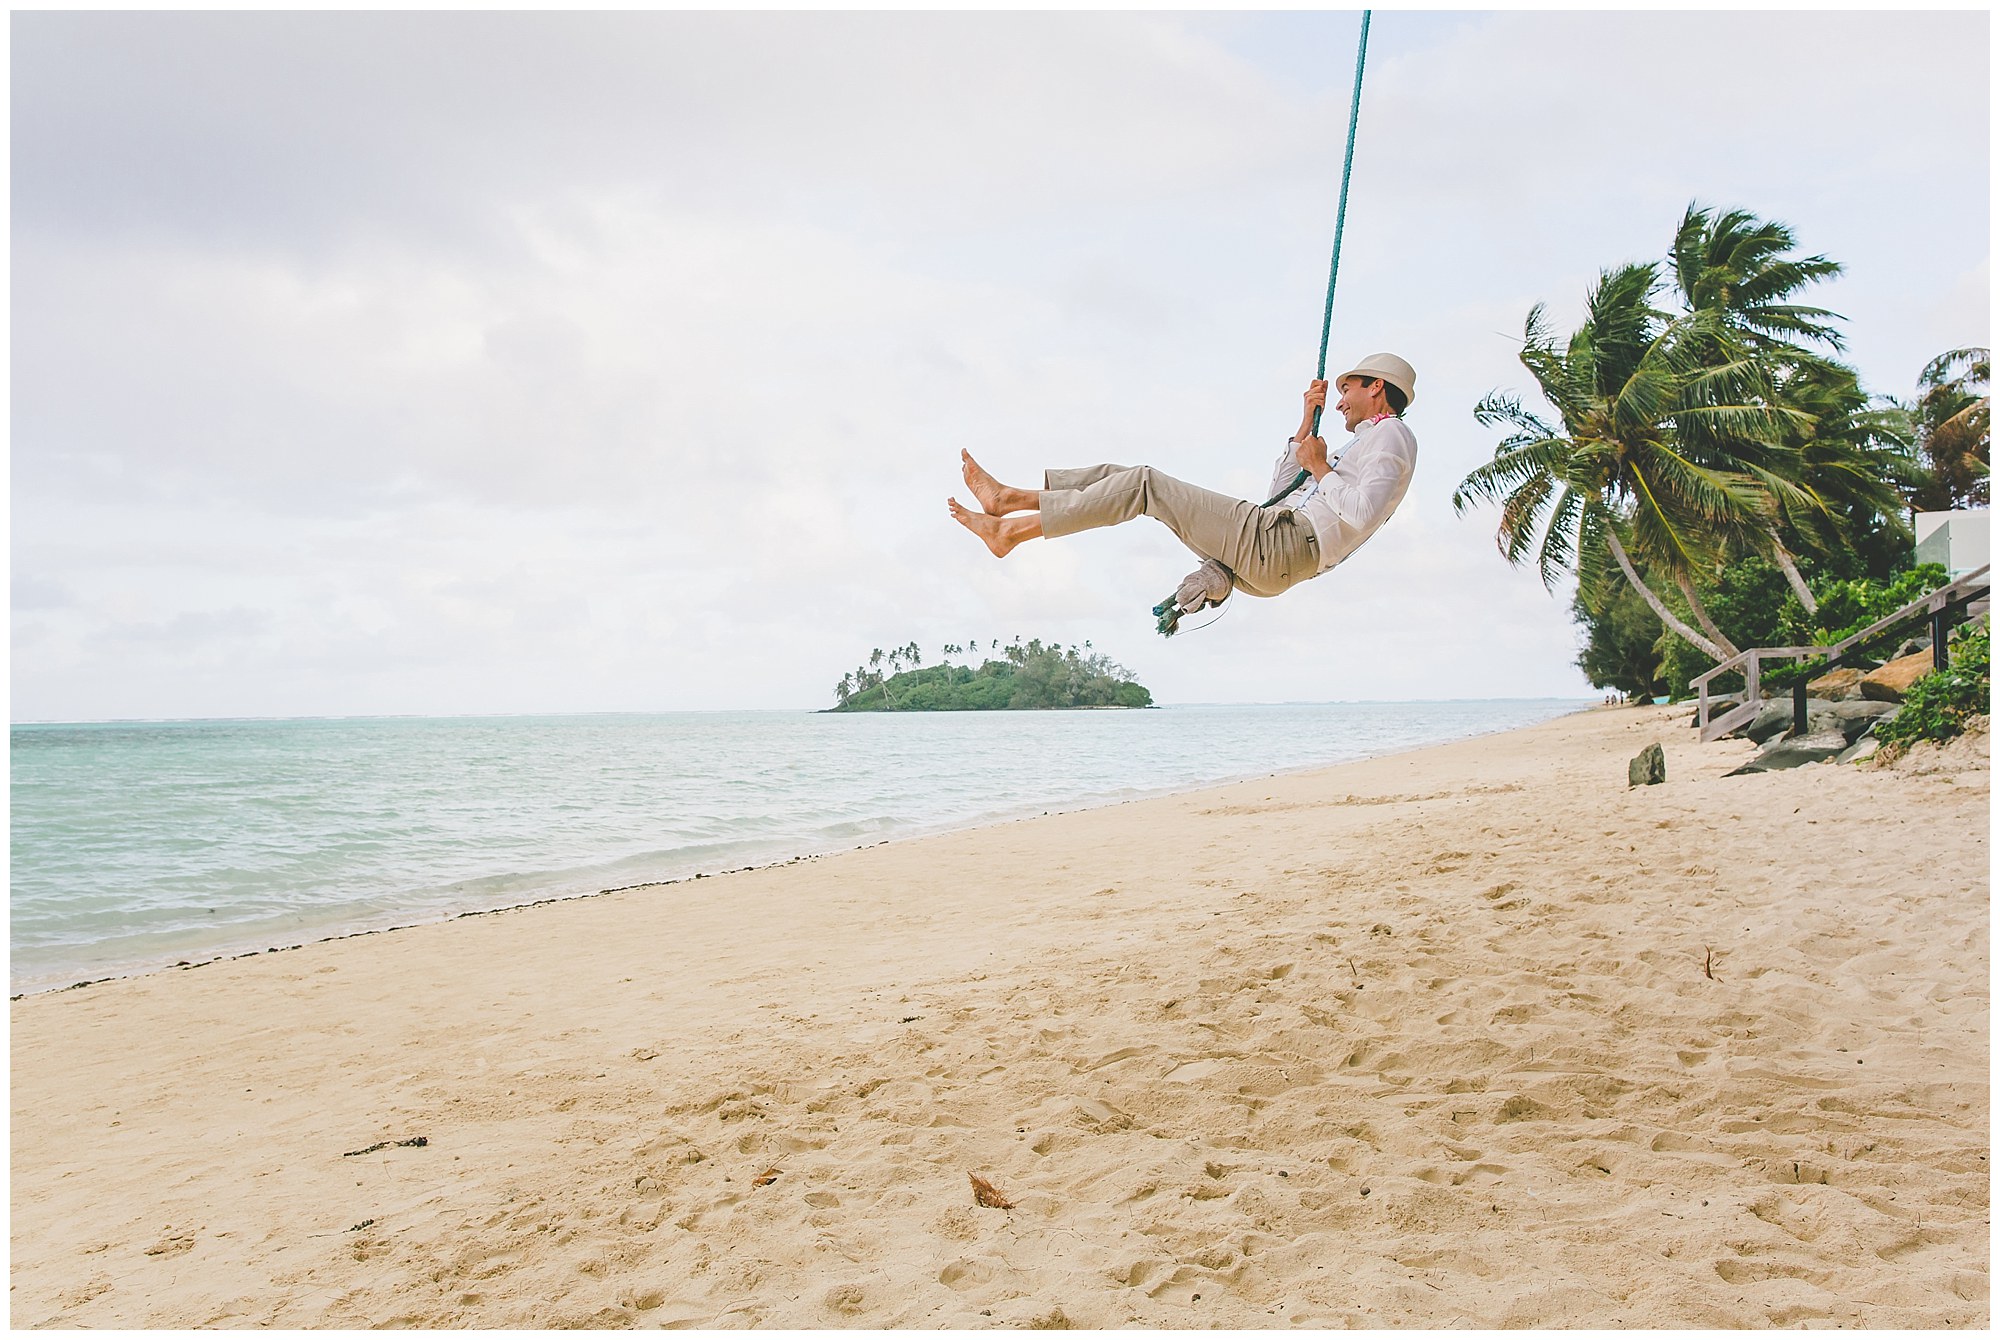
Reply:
x=1976, y=361
x=1520, y=516
x=1560, y=540
x=1505, y=407
x=1704, y=497
x=1507, y=471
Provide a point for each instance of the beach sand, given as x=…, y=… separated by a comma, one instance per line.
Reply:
x=1468, y=1036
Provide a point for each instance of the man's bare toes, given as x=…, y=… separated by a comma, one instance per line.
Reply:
x=987, y=528
x=984, y=487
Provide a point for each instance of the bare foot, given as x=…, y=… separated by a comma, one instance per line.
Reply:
x=1001, y=534
x=995, y=497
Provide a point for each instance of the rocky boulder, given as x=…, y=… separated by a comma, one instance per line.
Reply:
x=1889, y=683
x=1776, y=718
x=1852, y=719
x=1837, y=685
x=1864, y=747
x=1793, y=753
x=1649, y=768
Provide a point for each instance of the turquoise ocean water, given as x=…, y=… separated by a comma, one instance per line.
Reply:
x=136, y=846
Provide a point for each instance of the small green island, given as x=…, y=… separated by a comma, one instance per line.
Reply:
x=1017, y=677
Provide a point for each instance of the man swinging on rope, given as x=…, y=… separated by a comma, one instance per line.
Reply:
x=1318, y=519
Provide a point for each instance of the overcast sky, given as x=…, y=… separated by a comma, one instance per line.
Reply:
x=464, y=363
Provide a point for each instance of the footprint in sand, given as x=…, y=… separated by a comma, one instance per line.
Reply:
x=1135, y=1274
x=1756, y=1270
x=846, y=1299
x=1482, y=1174
x=1179, y=1287
x=1194, y=1070
x=965, y=1273
x=1897, y=1251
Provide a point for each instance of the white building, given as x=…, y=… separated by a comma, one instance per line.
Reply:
x=1959, y=540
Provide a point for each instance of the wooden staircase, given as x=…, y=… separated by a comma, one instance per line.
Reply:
x=1972, y=593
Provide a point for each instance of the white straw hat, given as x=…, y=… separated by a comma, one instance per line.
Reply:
x=1390, y=369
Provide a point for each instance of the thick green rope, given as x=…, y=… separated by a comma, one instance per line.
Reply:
x=1346, y=176
x=1168, y=612
x=1339, y=227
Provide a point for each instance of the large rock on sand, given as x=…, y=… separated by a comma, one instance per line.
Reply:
x=1837, y=685
x=1889, y=683
x=1792, y=753
x=1850, y=718
x=1776, y=718
x=1864, y=747
x=1835, y=732
x=1649, y=768
x=1773, y=718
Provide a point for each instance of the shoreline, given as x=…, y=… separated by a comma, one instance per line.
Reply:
x=917, y=833
x=1468, y=1034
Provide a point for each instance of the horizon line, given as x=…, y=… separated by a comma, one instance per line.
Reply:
x=690, y=711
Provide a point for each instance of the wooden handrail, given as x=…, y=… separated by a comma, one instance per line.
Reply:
x=1763, y=653
x=1931, y=602
x=1928, y=603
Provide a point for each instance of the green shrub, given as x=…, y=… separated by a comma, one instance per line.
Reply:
x=1938, y=705
x=1847, y=607
x=1745, y=599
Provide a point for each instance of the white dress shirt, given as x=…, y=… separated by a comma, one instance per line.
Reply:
x=1352, y=501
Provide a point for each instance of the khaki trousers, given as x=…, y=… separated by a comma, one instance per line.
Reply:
x=1267, y=548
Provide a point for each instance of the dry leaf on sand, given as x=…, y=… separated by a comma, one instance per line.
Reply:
x=987, y=1194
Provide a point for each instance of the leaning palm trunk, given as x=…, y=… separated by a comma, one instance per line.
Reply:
x=1701, y=614
x=1792, y=575
x=1658, y=606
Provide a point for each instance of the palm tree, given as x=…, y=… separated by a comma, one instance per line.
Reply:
x=1851, y=464
x=875, y=659
x=1954, y=429
x=1735, y=269
x=895, y=667
x=1613, y=477
x=1735, y=263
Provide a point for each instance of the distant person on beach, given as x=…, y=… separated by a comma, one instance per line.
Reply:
x=1329, y=513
